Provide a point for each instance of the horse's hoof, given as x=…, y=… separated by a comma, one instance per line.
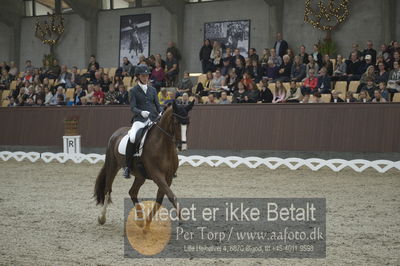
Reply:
x=146, y=229
x=101, y=220
x=140, y=223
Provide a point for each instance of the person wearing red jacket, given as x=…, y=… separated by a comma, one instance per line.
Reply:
x=310, y=83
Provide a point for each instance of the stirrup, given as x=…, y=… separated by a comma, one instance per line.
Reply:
x=127, y=173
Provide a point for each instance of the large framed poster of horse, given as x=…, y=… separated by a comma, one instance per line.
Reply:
x=134, y=37
x=232, y=34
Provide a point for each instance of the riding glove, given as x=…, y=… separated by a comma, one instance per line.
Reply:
x=145, y=114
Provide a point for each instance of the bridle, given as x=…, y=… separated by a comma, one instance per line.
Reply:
x=166, y=132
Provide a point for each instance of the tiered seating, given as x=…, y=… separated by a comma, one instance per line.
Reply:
x=396, y=98
x=353, y=86
x=70, y=93
x=341, y=87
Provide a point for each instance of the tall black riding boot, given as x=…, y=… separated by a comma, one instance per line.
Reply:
x=130, y=151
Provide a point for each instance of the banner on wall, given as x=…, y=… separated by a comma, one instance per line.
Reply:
x=232, y=34
x=134, y=37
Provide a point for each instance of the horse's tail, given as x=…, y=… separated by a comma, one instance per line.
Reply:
x=101, y=181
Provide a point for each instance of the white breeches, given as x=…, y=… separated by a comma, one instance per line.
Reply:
x=135, y=127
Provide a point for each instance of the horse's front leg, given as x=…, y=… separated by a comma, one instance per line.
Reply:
x=157, y=205
x=133, y=192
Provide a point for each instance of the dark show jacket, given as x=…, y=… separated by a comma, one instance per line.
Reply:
x=144, y=102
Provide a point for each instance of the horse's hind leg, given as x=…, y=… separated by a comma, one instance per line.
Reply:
x=111, y=172
x=133, y=192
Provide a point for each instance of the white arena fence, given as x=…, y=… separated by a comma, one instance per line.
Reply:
x=273, y=163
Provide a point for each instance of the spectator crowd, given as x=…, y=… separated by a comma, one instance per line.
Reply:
x=278, y=75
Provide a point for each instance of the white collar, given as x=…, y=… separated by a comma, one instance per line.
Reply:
x=143, y=87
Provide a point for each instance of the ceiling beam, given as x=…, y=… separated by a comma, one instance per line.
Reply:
x=87, y=9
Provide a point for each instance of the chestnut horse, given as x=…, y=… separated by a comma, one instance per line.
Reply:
x=159, y=158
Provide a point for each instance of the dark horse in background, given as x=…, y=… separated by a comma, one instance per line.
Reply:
x=135, y=43
x=159, y=157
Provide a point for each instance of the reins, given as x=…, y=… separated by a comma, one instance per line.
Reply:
x=166, y=132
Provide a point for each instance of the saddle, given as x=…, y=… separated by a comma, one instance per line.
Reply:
x=139, y=143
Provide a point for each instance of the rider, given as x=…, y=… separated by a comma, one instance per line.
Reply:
x=145, y=106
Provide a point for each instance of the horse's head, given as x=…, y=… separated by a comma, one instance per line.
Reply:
x=180, y=114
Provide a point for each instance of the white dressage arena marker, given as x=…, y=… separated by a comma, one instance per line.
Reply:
x=273, y=163
x=72, y=144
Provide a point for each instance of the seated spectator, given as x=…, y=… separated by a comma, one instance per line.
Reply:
x=185, y=85
x=317, y=98
x=275, y=58
x=12, y=102
x=378, y=97
x=28, y=67
x=54, y=70
x=354, y=68
x=366, y=63
x=236, y=56
x=204, y=55
x=335, y=97
x=256, y=72
x=173, y=50
x=248, y=65
x=111, y=96
x=340, y=71
x=163, y=96
x=265, y=58
x=266, y=95
x=217, y=82
x=368, y=87
x=97, y=78
x=294, y=95
x=310, y=84
x=84, y=101
x=239, y=68
x=13, y=70
x=184, y=100
x=117, y=82
x=123, y=96
x=355, y=49
x=239, y=96
x=254, y=95
x=350, y=97
x=216, y=61
x=29, y=102
x=64, y=79
x=317, y=55
x=232, y=80
x=298, y=71
x=226, y=67
x=58, y=97
x=90, y=91
x=28, y=76
x=280, y=92
x=158, y=76
x=363, y=97
x=368, y=74
x=253, y=55
x=48, y=95
x=369, y=50
x=291, y=55
x=324, y=82
x=78, y=94
x=5, y=80
x=384, y=91
x=394, y=79
x=93, y=62
x=99, y=93
x=162, y=62
x=272, y=71
x=395, y=58
x=75, y=77
x=172, y=69
x=211, y=99
x=311, y=65
x=327, y=63
x=171, y=96
x=105, y=83
x=303, y=55
x=384, y=53
x=285, y=69
x=382, y=75
x=126, y=67
x=224, y=98
x=247, y=81
x=61, y=100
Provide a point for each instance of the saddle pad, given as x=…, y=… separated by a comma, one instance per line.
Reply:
x=124, y=141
